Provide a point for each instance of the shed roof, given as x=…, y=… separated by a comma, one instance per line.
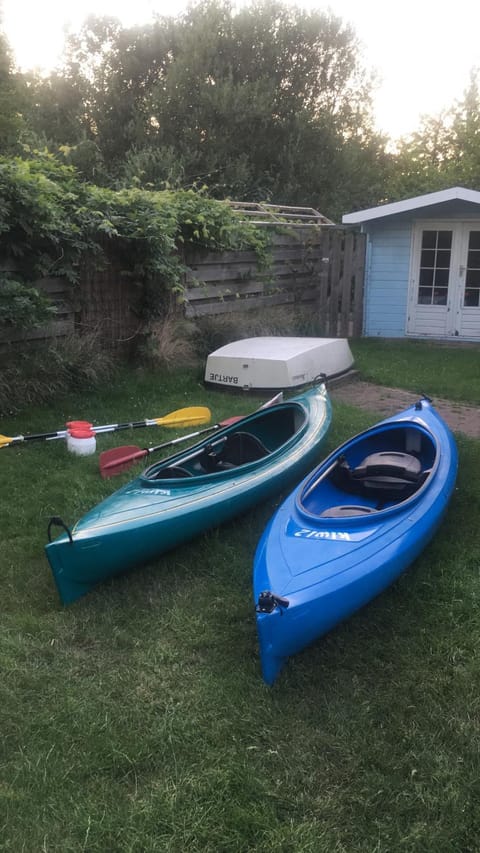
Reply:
x=411, y=204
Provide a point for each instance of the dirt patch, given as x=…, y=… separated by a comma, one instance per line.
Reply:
x=387, y=401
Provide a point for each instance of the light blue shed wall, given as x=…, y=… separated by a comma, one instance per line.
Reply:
x=386, y=284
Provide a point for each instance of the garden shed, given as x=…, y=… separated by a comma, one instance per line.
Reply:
x=422, y=276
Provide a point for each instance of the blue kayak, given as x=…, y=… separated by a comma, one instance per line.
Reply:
x=350, y=529
x=178, y=498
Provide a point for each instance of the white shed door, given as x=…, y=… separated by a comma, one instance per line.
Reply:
x=444, y=295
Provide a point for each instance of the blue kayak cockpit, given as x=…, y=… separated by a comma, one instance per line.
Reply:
x=377, y=470
x=254, y=439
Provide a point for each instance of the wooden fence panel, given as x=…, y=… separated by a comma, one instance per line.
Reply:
x=103, y=302
x=108, y=301
x=358, y=284
x=321, y=268
x=346, y=286
x=62, y=323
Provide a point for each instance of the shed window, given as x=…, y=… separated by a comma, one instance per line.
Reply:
x=472, y=280
x=435, y=267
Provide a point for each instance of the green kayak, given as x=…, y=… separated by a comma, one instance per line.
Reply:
x=179, y=497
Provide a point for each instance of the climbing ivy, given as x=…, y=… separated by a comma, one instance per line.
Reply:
x=22, y=306
x=53, y=224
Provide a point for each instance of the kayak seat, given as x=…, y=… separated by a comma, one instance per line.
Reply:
x=402, y=466
x=388, y=474
x=238, y=449
x=345, y=511
x=173, y=472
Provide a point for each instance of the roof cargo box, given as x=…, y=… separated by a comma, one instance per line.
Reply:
x=277, y=362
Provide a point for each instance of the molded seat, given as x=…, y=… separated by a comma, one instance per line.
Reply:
x=174, y=472
x=238, y=449
x=385, y=475
x=388, y=473
x=402, y=466
x=345, y=511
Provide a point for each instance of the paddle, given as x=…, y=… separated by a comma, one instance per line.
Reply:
x=190, y=416
x=120, y=459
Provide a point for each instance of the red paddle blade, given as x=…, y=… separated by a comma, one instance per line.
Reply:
x=232, y=420
x=119, y=459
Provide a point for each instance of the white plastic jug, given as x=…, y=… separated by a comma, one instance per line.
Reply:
x=81, y=441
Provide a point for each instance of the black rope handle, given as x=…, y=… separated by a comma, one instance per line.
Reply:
x=57, y=521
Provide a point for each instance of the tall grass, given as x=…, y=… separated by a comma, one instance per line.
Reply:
x=37, y=374
x=137, y=720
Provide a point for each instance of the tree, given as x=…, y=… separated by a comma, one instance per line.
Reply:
x=54, y=109
x=10, y=92
x=268, y=102
x=114, y=70
x=262, y=103
x=464, y=160
x=444, y=152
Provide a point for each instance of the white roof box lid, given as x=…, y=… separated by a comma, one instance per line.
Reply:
x=277, y=362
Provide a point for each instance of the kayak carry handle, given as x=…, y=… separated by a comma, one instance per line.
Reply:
x=57, y=522
x=426, y=398
x=267, y=602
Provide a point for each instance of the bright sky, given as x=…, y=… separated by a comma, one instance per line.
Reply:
x=422, y=50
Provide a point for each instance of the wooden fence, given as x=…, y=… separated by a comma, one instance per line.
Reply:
x=103, y=302
x=319, y=268
x=62, y=323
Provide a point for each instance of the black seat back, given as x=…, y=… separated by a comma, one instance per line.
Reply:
x=237, y=449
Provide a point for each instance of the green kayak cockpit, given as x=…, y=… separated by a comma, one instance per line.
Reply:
x=254, y=439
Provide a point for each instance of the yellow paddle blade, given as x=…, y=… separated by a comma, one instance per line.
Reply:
x=4, y=439
x=191, y=416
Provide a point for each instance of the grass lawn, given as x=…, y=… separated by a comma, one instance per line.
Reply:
x=136, y=719
x=451, y=371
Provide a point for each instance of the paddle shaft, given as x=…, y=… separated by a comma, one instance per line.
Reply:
x=62, y=433
x=106, y=428
x=142, y=452
x=113, y=462
x=19, y=439
x=199, y=450
x=182, y=417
